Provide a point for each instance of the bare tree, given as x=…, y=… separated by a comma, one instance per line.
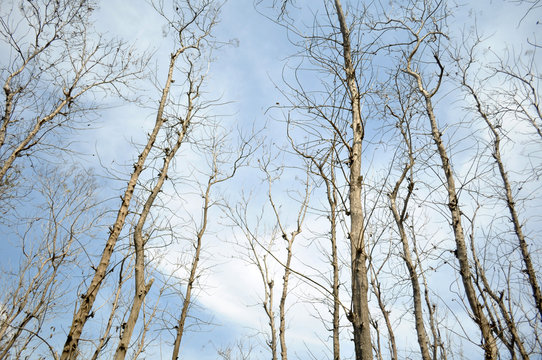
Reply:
x=191, y=29
x=360, y=286
x=323, y=166
x=426, y=27
x=55, y=67
x=403, y=117
x=37, y=292
x=438, y=348
x=258, y=254
x=106, y=336
x=241, y=351
x=289, y=238
x=219, y=157
x=390, y=181
x=376, y=287
x=520, y=108
x=333, y=53
x=505, y=314
x=140, y=239
x=257, y=245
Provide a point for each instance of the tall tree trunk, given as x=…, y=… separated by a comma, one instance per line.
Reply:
x=489, y=343
x=193, y=273
x=414, y=282
x=510, y=202
x=106, y=336
x=332, y=201
x=141, y=289
x=400, y=218
x=360, y=286
x=70, y=350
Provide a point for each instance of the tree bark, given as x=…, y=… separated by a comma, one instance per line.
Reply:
x=332, y=201
x=510, y=203
x=400, y=218
x=193, y=274
x=70, y=350
x=141, y=289
x=489, y=343
x=360, y=286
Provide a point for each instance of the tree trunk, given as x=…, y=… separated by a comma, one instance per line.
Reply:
x=489, y=343
x=141, y=289
x=414, y=281
x=193, y=273
x=282, y=303
x=511, y=204
x=360, y=306
x=400, y=218
x=70, y=350
x=332, y=200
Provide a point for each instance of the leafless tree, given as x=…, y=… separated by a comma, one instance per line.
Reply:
x=424, y=30
x=106, y=335
x=438, y=349
x=261, y=253
x=495, y=117
x=289, y=238
x=191, y=29
x=219, y=156
x=37, y=292
x=241, y=351
x=403, y=117
x=365, y=119
x=323, y=165
x=56, y=69
x=360, y=286
x=335, y=53
x=172, y=146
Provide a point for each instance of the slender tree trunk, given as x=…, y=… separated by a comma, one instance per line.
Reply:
x=70, y=350
x=360, y=286
x=515, y=339
x=332, y=200
x=410, y=264
x=268, y=283
x=268, y=307
x=193, y=274
x=187, y=301
x=282, y=303
x=286, y=277
x=141, y=289
x=386, y=314
x=489, y=343
x=287, y=271
x=414, y=282
x=510, y=203
x=144, y=330
x=431, y=309
x=105, y=338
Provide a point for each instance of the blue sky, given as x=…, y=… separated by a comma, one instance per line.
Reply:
x=243, y=74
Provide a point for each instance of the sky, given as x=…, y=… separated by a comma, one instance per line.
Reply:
x=244, y=74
